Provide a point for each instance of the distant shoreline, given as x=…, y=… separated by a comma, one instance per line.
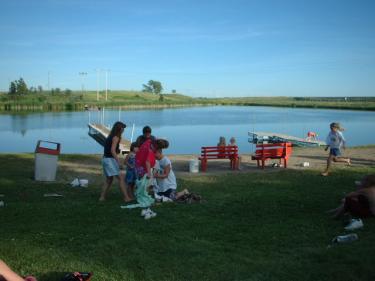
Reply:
x=45, y=102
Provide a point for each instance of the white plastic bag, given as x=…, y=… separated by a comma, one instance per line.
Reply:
x=79, y=183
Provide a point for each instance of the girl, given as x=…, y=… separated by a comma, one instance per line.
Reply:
x=221, y=144
x=111, y=161
x=130, y=168
x=335, y=141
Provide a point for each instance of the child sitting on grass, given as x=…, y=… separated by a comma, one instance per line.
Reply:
x=166, y=183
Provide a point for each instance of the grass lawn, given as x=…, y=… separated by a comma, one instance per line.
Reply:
x=253, y=226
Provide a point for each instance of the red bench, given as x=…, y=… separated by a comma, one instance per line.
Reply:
x=219, y=152
x=267, y=151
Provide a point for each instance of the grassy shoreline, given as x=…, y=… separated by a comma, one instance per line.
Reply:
x=252, y=226
x=129, y=100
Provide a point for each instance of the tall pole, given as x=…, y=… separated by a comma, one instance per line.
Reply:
x=106, y=84
x=48, y=81
x=97, y=84
x=82, y=74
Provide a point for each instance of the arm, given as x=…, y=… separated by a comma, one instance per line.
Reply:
x=115, y=141
x=126, y=161
x=343, y=140
x=8, y=274
x=165, y=174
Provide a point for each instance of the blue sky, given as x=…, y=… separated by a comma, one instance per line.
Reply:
x=199, y=48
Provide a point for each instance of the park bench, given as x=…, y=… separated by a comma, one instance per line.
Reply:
x=267, y=151
x=219, y=152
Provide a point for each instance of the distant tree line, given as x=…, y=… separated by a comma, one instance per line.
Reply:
x=19, y=88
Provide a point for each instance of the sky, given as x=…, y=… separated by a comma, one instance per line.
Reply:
x=199, y=48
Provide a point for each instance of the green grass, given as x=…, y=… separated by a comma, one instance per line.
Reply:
x=253, y=226
x=129, y=99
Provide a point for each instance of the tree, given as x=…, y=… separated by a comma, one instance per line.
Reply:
x=153, y=87
x=21, y=87
x=18, y=87
x=40, y=89
x=13, y=88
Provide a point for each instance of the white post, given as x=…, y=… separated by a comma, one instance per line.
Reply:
x=106, y=84
x=131, y=139
x=97, y=84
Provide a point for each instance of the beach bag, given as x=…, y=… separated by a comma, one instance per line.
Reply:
x=77, y=276
x=190, y=198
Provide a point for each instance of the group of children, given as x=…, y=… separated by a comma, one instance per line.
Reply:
x=164, y=182
x=145, y=160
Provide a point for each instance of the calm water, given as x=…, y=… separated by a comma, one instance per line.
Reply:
x=187, y=129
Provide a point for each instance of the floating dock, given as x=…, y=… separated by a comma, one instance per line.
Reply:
x=99, y=132
x=260, y=137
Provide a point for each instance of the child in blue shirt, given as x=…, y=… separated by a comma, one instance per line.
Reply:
x=129, y=162
x=335, y=141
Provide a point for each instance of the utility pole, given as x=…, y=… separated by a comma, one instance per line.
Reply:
x=82, y=74
x=97, y=84
x=48, y=81
x=106, y=84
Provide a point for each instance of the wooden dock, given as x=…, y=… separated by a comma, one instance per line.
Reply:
x=99, y=132
x=259, y=137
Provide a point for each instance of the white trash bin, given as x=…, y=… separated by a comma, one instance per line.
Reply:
x=46, y=155
x=193, y=166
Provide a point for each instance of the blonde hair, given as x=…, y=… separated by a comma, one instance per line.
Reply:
x=337, y=126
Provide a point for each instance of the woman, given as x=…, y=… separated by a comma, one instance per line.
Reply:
x=111, y=161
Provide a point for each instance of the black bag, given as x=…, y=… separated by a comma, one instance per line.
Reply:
x=77, y=276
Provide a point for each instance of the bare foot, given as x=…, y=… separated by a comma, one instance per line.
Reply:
x=324, y=174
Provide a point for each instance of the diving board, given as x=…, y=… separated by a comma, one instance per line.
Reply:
x=260, y=137
x=99, y=132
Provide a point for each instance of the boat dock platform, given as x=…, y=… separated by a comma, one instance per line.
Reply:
x=260, y=137
x=99, y=132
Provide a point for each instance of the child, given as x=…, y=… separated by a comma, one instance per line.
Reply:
x=111, y=161
x=130, y=168
x=335, y=140
x=222, y=143
x=166, y=179
x=232, y=142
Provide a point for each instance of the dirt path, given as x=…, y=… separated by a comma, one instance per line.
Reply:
x=90, y=168
x=315, y=156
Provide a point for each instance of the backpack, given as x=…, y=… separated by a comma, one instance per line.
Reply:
x=77, y=276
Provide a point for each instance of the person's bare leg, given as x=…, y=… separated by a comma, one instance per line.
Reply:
x=342, y=160
x=182, y=193
x=106, y=186
x=329, y=163
x=8, y=274
x=121, y=180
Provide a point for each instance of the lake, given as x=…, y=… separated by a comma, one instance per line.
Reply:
x=187, y=129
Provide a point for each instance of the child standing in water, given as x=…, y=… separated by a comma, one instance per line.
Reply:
x=130, y=168
x=335, y=141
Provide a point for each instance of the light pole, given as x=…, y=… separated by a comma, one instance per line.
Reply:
x=82, y=74
x=106, y=84
x=97, y=84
